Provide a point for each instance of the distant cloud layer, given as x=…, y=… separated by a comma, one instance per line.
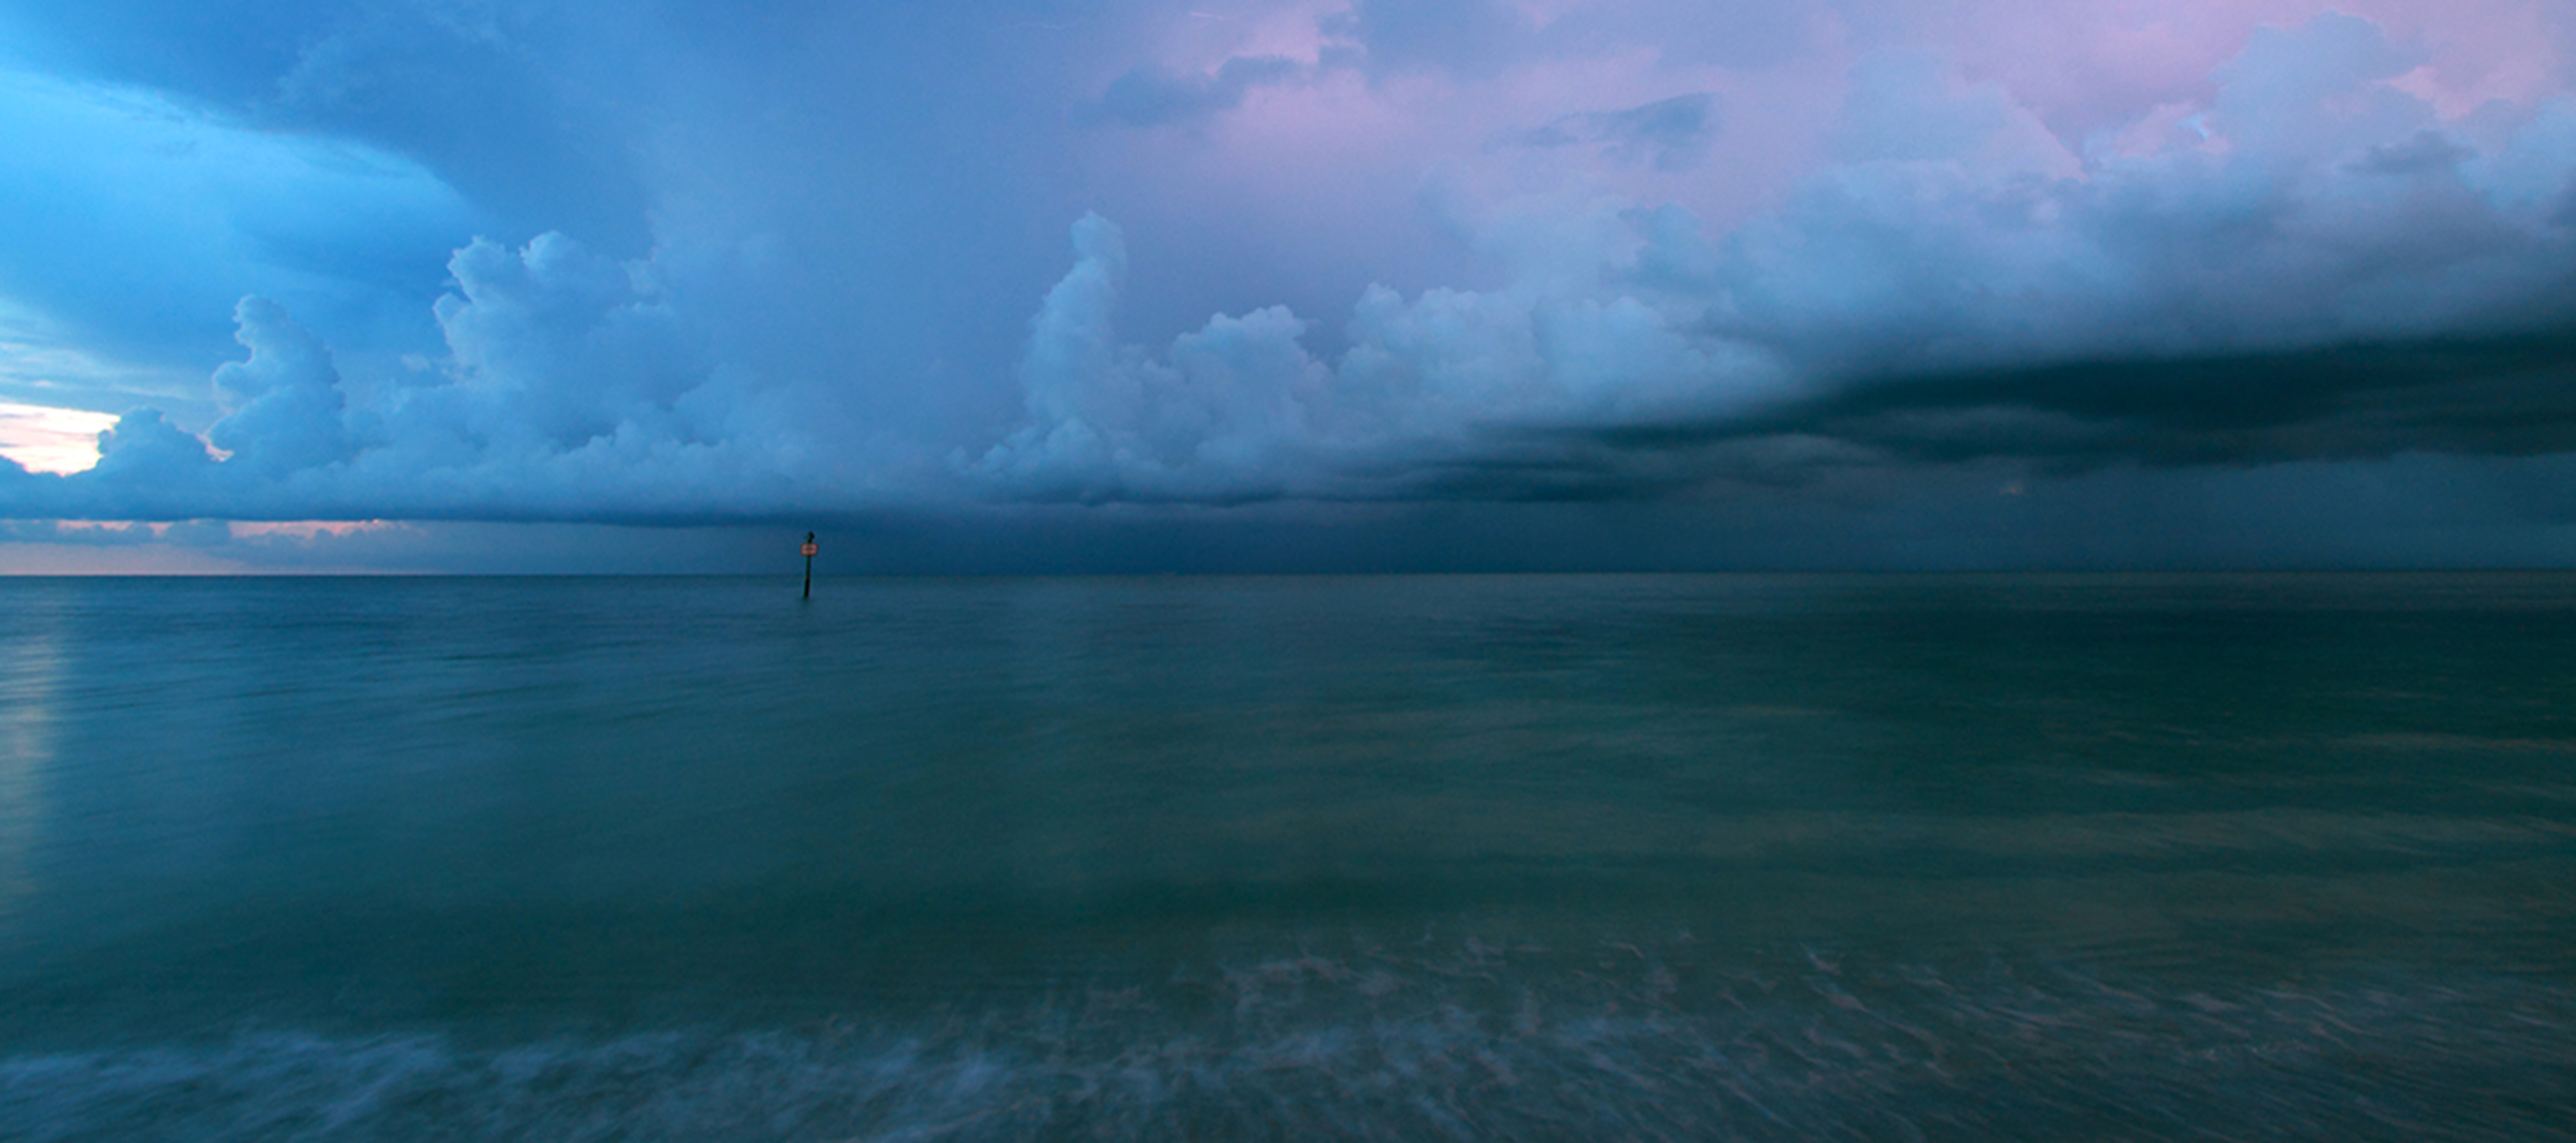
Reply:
x=1457, y=251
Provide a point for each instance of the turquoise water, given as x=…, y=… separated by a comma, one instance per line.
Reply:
x=1677, y=857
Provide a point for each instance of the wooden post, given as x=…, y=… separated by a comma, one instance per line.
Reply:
x=809, y=550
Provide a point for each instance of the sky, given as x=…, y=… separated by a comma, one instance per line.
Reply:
x=1308, y=285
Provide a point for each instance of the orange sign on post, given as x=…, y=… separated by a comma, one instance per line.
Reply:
x=809, y=551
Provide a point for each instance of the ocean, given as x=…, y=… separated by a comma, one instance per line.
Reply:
x=1546, y=857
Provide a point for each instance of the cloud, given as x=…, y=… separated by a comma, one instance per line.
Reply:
x=1670, y=133
x=1906, y=106
x=139, y=220
x=561, y=346
x=1209, y=420
x=286, y=409
x=494, y=99
x=1685, y=32
x=2493, y=396
x=1480, y=40
x=1152, y=97
x=1471, y=37
x=2429, y=152
x=2327, y=274
x=1241, y=410
x=144, y=458
x=2308, y=261
x=569, y=391
x=2278, y=231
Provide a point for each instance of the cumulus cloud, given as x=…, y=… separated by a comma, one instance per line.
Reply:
x=569, y=391
x=145, y=457
x=559, y=346
x=2328, y=272
x=1216, y=417
x=1241, y=410
x=2309, y=260
x=2315, y=267
x=286, y=413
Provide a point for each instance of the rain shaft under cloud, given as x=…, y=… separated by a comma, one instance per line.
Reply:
x=1562, y=260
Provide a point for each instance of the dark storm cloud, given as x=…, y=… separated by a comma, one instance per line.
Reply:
x=794, y=262
x=489, y=95
x=2512, y=395
x=2317, y=274
x=140, y=221
x=2501, y=396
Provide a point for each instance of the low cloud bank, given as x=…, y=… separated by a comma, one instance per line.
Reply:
x=2315, y=264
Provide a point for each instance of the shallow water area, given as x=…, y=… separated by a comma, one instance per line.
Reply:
x=1486, y=857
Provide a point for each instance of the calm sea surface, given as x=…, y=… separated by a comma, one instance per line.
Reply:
x=1388, y=858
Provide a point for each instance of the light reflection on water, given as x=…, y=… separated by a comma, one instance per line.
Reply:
x=30, y=679
x=1503, y=857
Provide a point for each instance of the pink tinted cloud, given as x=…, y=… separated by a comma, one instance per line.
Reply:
x=2085, y=68
x=2088, y=71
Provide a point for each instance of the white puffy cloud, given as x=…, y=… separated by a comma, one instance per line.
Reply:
x=569, y=390
x=1240, y=409
x=563, y=345
x=144, y=455
x=1213, y=418
x=285, y=409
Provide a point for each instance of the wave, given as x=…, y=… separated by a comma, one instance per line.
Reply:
x=1476, y=1042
